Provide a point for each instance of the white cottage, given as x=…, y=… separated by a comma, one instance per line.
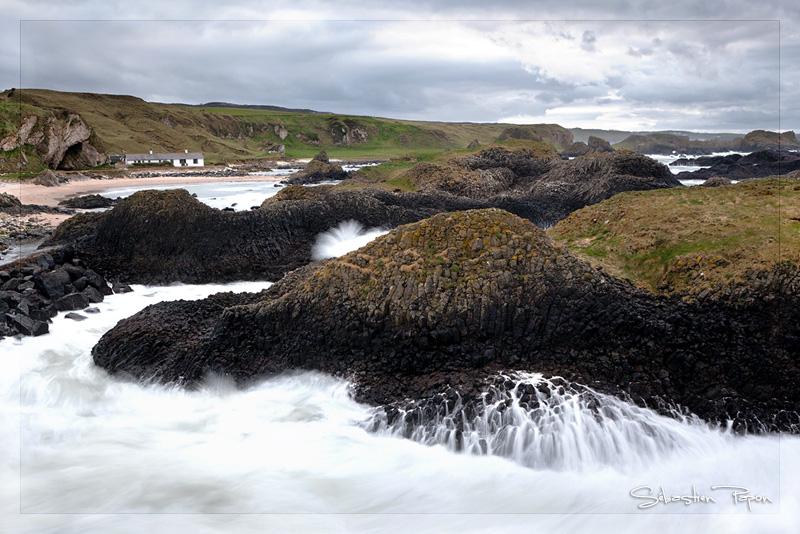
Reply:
x=186, y=159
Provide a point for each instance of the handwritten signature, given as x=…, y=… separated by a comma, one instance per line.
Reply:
x=739, y=494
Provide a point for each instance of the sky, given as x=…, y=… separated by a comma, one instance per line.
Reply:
x=698, y=66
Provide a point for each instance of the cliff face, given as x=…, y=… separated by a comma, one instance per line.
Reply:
x=446, y=303
x=44, y=139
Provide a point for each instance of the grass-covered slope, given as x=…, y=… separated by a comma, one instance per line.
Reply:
x=686, y=240
x=411, y=172
x=127, y=124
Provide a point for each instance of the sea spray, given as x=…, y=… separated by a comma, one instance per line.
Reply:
x=348, y=236
x=546, y=423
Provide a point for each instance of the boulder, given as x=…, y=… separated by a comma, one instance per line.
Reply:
x=53, y=284
x=88, y=202
x=46, y=178
x=73, y=301
x=27, y=326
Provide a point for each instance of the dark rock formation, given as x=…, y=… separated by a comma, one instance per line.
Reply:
x=318, y=170
x=445, y=304
x=548, y=187
x=169, y=236
x=758, y=140
x=30, y=295
x=707, y=161
x=13, y=206
x=716, y=181
x=47, y=178
x=595, y=146
x=86, y=202
x=756, y=165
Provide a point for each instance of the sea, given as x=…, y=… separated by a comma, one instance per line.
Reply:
x=84, y=452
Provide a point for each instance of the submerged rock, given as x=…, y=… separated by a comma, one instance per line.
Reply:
x=442, y=304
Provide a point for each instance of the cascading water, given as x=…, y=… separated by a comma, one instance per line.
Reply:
x=349, y=235
x=550, y=424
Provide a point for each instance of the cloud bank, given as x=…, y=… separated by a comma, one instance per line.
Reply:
x=580, y=67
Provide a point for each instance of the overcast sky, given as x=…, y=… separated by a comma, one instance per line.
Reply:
x=579, y=64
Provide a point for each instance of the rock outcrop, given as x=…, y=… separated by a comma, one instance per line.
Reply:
x=319, y=169
x=756, y=165
x=169, y=236
x=61, y=141
x=551, y=188
x=50, y=283
x=86, y=202
x=433, y=310
x=716, y=181
x=13, y=206
x=595, y=146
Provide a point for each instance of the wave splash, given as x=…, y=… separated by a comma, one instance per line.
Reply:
x=348, y=236
x=551, y=424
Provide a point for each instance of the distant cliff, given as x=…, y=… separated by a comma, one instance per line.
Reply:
x=665, y=143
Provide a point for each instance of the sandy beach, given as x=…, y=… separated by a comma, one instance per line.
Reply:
x=29, y=193
x=50, y=196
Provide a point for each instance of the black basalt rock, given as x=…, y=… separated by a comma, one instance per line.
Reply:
x=454, y=299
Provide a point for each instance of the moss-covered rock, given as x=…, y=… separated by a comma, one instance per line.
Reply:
x=319, y=169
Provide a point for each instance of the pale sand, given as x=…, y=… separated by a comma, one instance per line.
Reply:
x=51, y=196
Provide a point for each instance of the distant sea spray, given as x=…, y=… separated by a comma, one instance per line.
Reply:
x=348, y=236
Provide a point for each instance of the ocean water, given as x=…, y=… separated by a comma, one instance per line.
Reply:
x=241, y=196
x=676, y=169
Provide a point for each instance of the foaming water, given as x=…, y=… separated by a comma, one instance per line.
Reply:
x=348, y=236
x=86, y=453
x=550, y=424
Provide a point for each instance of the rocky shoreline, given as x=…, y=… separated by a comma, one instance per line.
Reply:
x=446, y=304
x=49, y=283
x=465, y=288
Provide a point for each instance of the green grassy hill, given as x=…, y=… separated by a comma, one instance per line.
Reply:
x=126, y=124
x=689, y=239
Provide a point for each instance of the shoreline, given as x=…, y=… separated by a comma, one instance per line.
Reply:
x=29, y=193
x=38, y=225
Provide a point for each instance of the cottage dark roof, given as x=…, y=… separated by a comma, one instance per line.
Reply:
x=179, y=155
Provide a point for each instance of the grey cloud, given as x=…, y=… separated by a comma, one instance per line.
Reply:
x=639, y=52
x=335, y=66
x=588, y=41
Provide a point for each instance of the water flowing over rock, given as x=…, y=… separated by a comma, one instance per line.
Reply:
x=433, y=310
